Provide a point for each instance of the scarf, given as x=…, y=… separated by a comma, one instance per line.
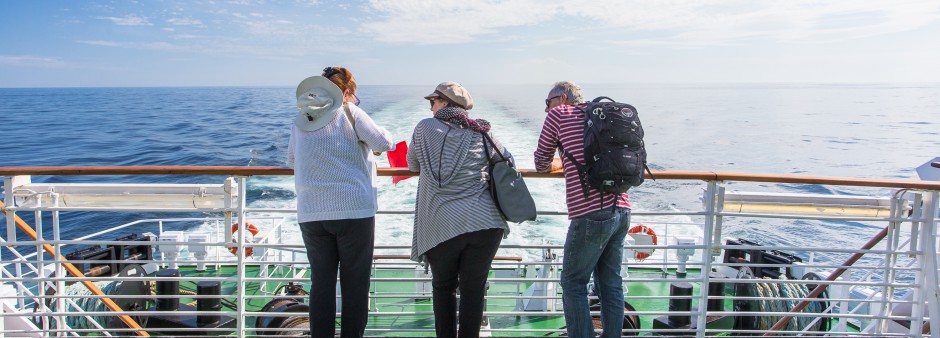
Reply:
x=458, y=116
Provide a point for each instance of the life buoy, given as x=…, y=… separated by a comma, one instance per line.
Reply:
x=641, y=229
x=252, y=229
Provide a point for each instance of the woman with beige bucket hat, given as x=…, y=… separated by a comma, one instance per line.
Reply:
x=457, y=227
x=331, y=151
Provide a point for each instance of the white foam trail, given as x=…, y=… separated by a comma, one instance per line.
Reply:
x=401, y=117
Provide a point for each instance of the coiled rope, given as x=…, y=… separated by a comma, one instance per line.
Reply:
x=778, y=296
x=88, y=302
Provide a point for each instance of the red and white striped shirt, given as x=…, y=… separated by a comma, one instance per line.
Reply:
x=566, y=124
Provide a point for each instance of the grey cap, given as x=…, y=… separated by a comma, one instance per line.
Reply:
x=454, y=92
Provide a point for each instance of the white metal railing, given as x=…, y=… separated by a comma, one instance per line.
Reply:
x=895, y=283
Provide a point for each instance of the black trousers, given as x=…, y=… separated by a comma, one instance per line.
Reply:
x=348, y=244
x=461, y=262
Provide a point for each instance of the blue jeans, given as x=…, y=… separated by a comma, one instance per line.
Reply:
x=594, y=245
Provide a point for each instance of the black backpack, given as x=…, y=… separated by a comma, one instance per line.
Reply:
x=614, y=152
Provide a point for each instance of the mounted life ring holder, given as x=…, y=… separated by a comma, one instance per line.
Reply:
x=643, y=235
x=248, y=250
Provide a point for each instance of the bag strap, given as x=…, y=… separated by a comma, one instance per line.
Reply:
x=491, y=184
x=489, y=157
x=349, y=116
x=352, y=121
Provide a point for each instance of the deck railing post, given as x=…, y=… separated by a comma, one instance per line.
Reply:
x=11, y=215
x=916, y=210
x=228, y=203
x=890, y=261
x=920, y=287
x=717, y=209
x=710, y=250
x=930, y=280
x=41, y=265
x=242, y=189
x=57, y=252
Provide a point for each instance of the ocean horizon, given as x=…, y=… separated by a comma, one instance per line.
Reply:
x=847, y=130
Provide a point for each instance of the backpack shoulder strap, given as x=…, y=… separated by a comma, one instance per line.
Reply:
x=582, y=170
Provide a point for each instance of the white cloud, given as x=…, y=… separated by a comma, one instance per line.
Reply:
x=134, y=45
x=187, y=36
x=99, y=43
x=450, y=21
x=721, y=22
x=184, y=22
x=674, y=23
x=286, y=30
x=30, y=61
x=128, y=20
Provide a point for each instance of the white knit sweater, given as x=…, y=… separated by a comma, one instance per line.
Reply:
x=334, y=173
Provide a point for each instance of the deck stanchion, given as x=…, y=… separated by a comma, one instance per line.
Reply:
x=717, y=209
x=131, y=323
x=708, y=252
x=884, y=307
x=929, y=248
x=56, y=235
x=8, y=200
x=915, y=224
x=41, y=263
x=240, y=254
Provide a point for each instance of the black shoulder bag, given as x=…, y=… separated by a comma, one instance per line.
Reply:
x=509, y=191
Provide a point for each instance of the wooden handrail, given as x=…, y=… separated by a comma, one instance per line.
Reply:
x=282, y=171
x=110, y=304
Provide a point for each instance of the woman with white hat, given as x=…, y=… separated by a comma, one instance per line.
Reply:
x=457, y=227
x=331, y=151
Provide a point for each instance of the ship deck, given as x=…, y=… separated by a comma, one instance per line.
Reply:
x=71, y=287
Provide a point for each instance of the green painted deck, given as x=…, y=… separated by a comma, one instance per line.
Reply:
x=412, y=312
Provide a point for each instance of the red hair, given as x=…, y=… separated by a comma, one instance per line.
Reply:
x=342, y=77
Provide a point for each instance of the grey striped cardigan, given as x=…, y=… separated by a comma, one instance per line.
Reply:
x=453, y=197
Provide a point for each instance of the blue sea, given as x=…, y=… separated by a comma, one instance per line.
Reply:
x=851, y=130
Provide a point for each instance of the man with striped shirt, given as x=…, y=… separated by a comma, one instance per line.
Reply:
x=599, y=222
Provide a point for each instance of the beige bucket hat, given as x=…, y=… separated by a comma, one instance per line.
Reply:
x=318, y=102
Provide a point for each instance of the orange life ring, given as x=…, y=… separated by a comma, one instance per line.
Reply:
x=248, y=250
x=645, y=230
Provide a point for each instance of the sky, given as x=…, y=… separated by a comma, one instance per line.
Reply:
x=402, y=42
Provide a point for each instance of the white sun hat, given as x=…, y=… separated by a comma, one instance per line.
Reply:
x=318, y=102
